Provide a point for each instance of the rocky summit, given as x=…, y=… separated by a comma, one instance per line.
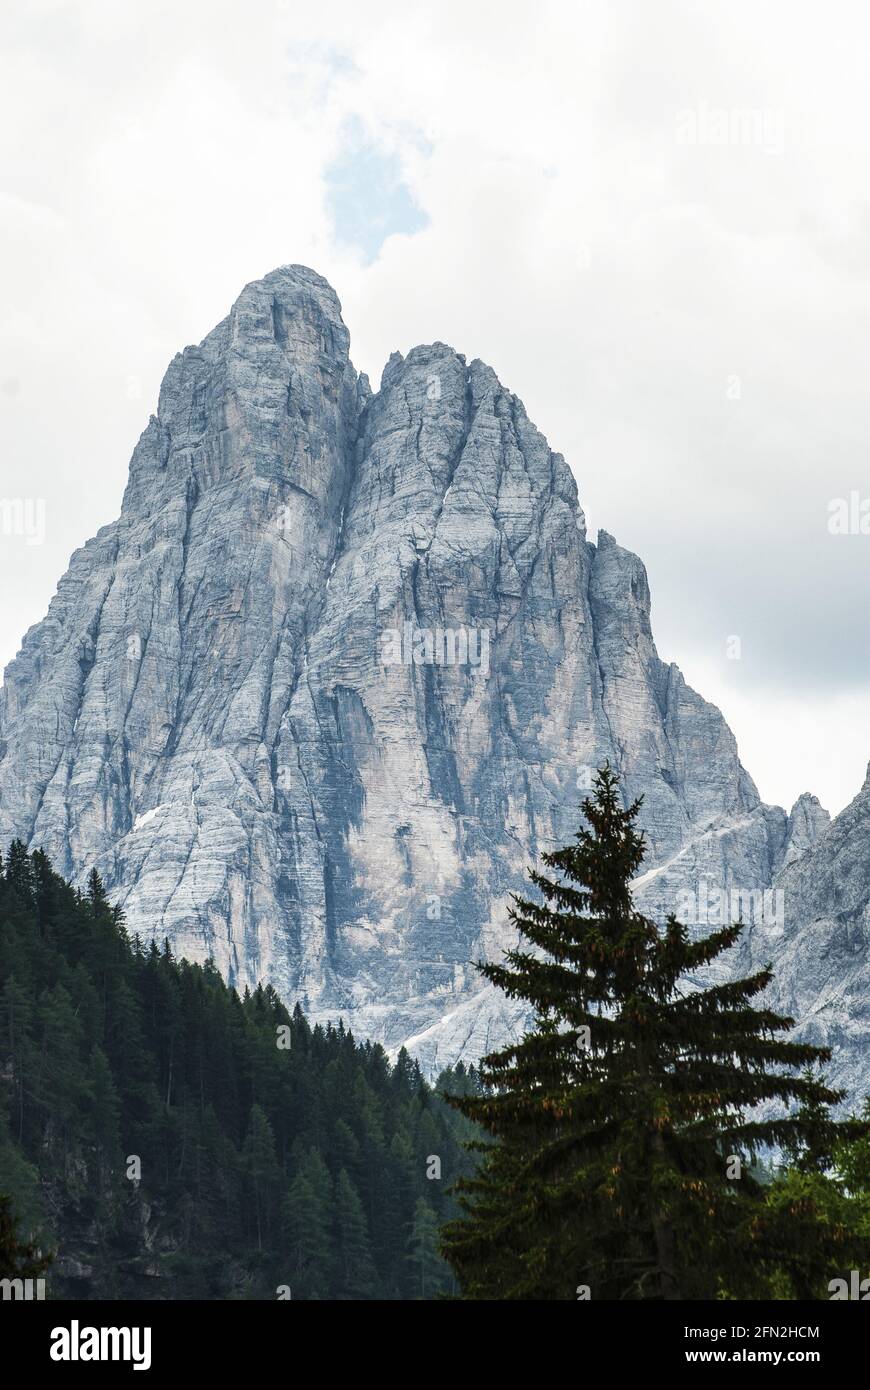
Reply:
x=340, y=672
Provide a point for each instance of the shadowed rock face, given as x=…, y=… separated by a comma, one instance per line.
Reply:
x=822, y=956
x=339, y=673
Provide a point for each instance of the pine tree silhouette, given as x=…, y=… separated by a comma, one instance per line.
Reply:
x=625, y=1122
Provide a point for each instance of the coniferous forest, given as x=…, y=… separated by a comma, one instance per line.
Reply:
x=161, y=1137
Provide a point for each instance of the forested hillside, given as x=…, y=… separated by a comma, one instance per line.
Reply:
x=166, y=1138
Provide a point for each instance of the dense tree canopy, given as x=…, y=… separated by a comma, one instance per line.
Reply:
x=164, y=1137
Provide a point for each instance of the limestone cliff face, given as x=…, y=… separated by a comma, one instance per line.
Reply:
x=340, y=672
x=821, y=951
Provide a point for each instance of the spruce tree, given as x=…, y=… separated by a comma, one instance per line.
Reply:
x=356, y=1276
x=624, y=1124
x=19, y=872
x=306, y=1223
x=852, y=1160
x=264, y=1174
x=427, y=1267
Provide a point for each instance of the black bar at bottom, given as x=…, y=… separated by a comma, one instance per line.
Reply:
x=264, y=1338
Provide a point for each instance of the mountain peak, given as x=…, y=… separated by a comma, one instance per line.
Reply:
x=292, y=278
x=341, y=671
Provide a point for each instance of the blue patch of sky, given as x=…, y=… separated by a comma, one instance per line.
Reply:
x=366, y=196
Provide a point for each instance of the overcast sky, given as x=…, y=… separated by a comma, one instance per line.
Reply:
x=652, y=219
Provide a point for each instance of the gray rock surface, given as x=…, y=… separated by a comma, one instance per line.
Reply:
x=821, y=958
x=342, y=669
x=808, y=820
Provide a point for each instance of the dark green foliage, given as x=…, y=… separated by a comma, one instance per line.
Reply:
x=626, y=1122
x=261, y=1165
x=18, y=1259
x=424, y=1256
